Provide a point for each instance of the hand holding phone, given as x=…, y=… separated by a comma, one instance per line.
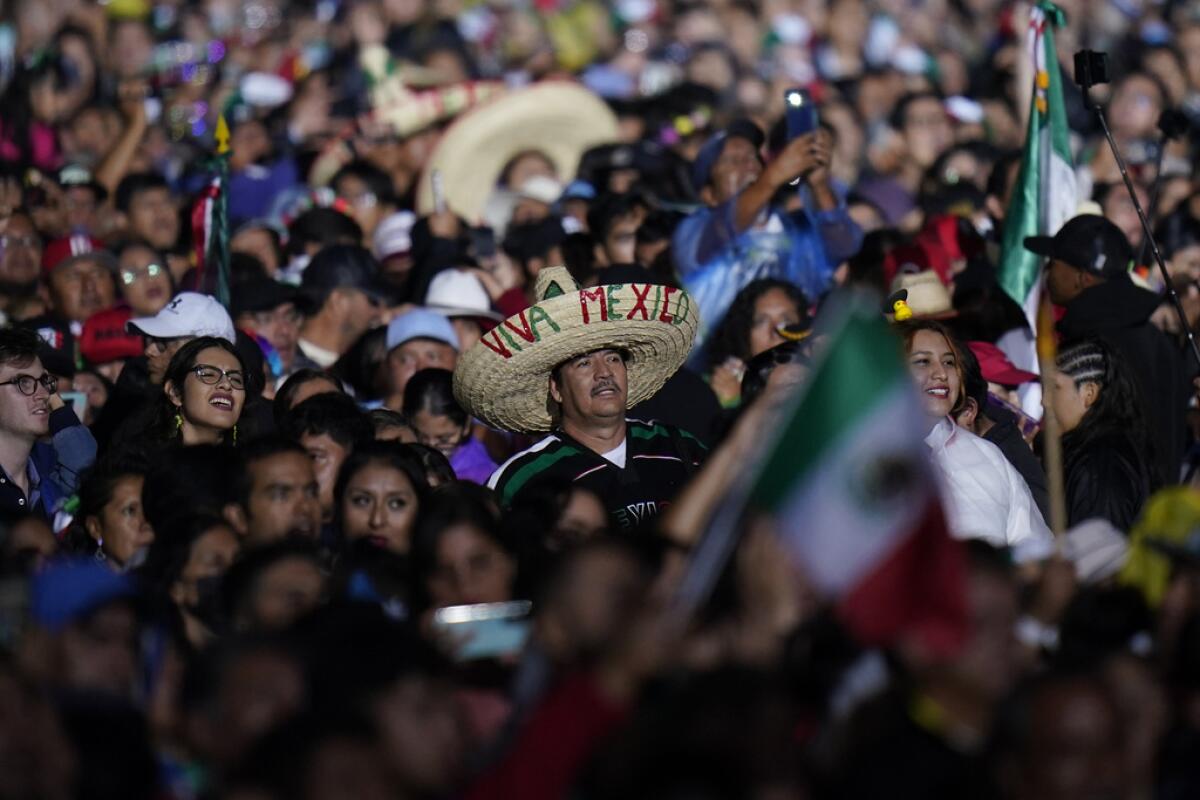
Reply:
x=483, y=630
x=801, y=113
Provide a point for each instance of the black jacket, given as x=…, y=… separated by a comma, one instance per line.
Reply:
x=1005, y=435
x=1119, y=312
x=1106, y=476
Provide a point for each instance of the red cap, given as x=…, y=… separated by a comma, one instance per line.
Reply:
x=68, y=248
x=913, y=257
x=104, y=338
x=996, y=367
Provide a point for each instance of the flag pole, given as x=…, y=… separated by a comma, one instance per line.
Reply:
x=221, y=213
x=1051, y=430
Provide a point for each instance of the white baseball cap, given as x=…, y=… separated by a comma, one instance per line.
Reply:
x=393, y=235
x=188, y=314
x=458, y=293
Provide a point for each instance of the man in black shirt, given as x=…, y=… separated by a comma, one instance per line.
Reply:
x=573, y=364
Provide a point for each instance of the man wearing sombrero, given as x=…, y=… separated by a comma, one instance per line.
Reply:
x=571, y=365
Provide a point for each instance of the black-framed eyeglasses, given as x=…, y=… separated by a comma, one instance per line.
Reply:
x=129, y=275
x=163, y=344
x=27, y=384
x=206, y=373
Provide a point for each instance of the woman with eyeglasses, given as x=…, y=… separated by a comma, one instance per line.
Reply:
x=143, y=278
x=441, y=423
x=204, y=392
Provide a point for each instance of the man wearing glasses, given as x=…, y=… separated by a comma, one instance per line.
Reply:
x=36, y=476
x=186, y=317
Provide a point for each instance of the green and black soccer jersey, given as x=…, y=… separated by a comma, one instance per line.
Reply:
x=636, y=482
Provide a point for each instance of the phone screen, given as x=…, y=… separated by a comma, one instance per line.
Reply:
x=486, y=630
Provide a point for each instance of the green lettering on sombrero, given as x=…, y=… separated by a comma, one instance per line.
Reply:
x=504, y=380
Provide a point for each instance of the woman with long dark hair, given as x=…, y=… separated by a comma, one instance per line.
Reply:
x=751, y=326
x=1108, y=464
x=204, y=392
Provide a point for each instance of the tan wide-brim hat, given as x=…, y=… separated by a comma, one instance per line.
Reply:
x=928, y=297
x=558, y=118
x=504, y=380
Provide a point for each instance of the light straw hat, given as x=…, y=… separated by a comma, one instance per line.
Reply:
x=504, y=380
x=559, y=119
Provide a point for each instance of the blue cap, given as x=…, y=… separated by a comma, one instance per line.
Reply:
x=67, y=590
x=420, y=323
x=711, y=151
x=578, y=190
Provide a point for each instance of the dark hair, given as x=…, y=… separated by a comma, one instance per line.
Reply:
x=291, y=387
x=242, y=578
x=141, y=244
x=386, y=418
x=1178, y=231
x=261, y=448
x=898, y=119
x=432, y=391
x=1118, y=408
x=335, y=415
x=974, y=385
x=134, y=184
x=607, y=209
x=506, y=170
x=360, y=365
x=732, y=336
x=177, y=372
x=440, y=513
x=394, y=455
x=377, y=181
x=435, y=464
x=18, y=346
x=169, y=554
x=909, y=330
x=96, y=489
x=323, y=226
x=187, y=481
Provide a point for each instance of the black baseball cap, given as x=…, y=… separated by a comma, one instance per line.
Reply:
x=262, y=294
x=344, y=266
x=1089, y=243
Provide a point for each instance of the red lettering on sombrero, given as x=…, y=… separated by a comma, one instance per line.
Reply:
x=494, y=344
x=593, y=294
x=525, y=332
x=664, y=316
x=640, y=305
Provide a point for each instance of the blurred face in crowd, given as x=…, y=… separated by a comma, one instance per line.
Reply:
x=1072, y=400
x=1135, y=107
x=23, y=415
x=283, y=499
x=80, y=288
x=30, y=544
x=600, y=591
x=1120, y=211
x=592, y=387
x=583, y=518
x=80, y=204
x=469, y=331
x=1185, y=261
x=152, y=216
x=440, y=431
x=356, y=310
x=159, y=353
x=1064, y=283
x=99, y=651
x=424, y=734
x=469, y=567
x=345, y=766
x=284, y=592
x=258, y=243
x=989, y=663
x=213, y=407
x=415, y=355
x=380, y=505
x=258, y=690
x=280, y=326
x=772, y=311
x=312, y=389
x=145, y=281
x=21, y=256
x=1075, y=747
x=366, y=208
x=209, y=557
x=927, y=131
x=131, y=49
x=620, y=243
x=529, y=165
x=120, y=528
x=738, y=166
x=327, y=458
x=934, y=368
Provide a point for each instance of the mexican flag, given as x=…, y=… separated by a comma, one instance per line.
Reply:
x=210, y=224
x=1045, y=194
x=854, y=494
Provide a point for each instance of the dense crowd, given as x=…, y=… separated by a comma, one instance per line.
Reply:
x=388, y=463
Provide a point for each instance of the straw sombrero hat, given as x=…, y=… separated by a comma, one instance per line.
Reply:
x=557, y=118
x=504, y=380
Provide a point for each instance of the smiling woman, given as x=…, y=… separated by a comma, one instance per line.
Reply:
x=204, y=391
